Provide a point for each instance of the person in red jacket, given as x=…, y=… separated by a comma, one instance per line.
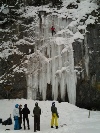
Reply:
x=53, y=30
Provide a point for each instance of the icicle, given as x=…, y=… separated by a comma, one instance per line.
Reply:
x=71, y=78
x=44, y=87
x=36, y=80
x=68, y=87
x=56, y=88
x=34, y=86
x=44, y=80
x=56, y=63
x=48, y=50
x=62, y=86
x=53, y=76
x=60, y=60
x=53, y=67
x=58, y=28
x=48, y=73
x=69, y=20
x=29, y=89
x=40, y=81
x=41, y=87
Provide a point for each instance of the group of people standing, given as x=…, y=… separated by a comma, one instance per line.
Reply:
x=19, y=113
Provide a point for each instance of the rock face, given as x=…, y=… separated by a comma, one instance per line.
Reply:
x=57, y=67
x=88, y=89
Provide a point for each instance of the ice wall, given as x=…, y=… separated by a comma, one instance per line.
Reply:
x=53, y=61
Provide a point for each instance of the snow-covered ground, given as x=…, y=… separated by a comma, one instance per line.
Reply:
x=76, y=119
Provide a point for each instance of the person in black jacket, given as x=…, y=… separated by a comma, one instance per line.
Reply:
x=55, y=116
x=20, y=116
x=25, y=112
x=37, y=113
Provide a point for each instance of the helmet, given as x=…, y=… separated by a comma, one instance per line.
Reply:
x=36, y=104
x=16, y=106
x=25, y=106
x=20, y=106
x=53, y=103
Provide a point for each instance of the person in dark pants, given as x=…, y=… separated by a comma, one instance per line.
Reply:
x=53, y=30
x=25, y=112
x=37, y=113
x=20, y=116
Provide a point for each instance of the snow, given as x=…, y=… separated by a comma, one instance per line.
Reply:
x=1, y=22
x=76, y=119
x=59, y=40
x=4, y=9
x=78, y=35
x=23, y=42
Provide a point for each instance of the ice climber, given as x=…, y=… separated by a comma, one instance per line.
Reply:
x=25, y=112
x=37, y=113
x=16, y=115
x=53, y=30
x=55, y=116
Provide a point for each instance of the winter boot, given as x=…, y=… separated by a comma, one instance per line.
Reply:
x=28, y=128
x=56, y=127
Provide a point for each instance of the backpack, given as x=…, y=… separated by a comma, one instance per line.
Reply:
x=7, y=122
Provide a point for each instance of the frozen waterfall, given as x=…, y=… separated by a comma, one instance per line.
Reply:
x=52, y=62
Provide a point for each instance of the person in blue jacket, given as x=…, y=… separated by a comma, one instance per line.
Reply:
x=16, y=115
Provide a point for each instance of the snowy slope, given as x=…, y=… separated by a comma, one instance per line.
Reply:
x=75, y=118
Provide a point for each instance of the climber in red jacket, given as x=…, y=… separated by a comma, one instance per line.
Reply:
x=53, y=30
